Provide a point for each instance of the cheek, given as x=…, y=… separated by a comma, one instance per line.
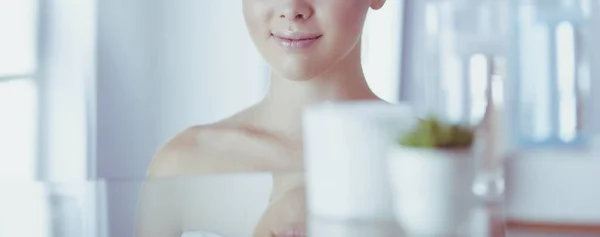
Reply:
x=255, y=15
x=348, y=16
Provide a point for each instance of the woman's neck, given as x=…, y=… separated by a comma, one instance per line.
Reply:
x=286, y=99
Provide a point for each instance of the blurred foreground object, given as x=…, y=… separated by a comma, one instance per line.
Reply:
x=345, y=151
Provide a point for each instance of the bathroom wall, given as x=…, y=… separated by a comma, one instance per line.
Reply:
x=163, y=66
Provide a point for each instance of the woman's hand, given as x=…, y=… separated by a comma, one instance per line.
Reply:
x=285, y=216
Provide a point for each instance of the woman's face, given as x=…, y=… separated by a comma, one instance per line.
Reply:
x=302, y=39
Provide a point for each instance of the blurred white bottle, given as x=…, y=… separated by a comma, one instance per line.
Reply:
x=345, y=147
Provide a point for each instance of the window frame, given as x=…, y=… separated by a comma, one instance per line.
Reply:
x=31, y=77
x=21, y=76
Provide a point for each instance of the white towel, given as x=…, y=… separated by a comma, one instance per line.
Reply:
x=199, y=234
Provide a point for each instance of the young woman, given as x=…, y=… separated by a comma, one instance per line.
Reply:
x=313, y=47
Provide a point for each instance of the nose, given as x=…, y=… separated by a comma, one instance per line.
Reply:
x=295, y=10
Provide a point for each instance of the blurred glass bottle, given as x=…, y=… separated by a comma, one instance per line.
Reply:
x=454, y=56
x=550, y=72
x=453, y=49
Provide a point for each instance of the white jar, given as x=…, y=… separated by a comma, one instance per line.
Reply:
x=345, y=149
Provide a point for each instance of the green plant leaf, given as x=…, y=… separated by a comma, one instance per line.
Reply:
x=432, y=133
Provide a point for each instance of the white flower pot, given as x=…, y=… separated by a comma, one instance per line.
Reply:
x=432, y=189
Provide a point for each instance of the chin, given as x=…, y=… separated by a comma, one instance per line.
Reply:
x=299, y=73
x=297, y=76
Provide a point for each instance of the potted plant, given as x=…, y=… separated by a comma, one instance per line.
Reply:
x=431, y=172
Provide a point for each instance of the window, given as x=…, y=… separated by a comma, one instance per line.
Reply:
x=18, y=92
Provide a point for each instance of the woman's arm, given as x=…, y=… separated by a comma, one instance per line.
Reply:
x=284, y=214
x=159, y=212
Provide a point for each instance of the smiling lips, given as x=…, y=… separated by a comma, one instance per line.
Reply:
x=295, y=40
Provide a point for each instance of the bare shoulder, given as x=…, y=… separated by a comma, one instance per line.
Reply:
x=172, y=156
x=224, y=147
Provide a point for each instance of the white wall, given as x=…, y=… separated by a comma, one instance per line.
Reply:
x=163, y=66
x=381, y=50
x=125, y=125
x=205, y=65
